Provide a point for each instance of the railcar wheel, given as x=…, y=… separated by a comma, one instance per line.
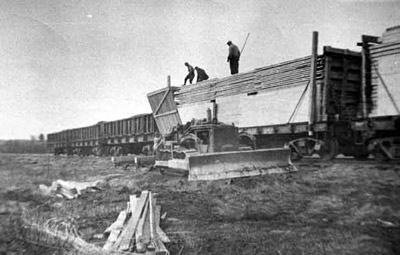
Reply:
x=379, y=155
x=302, y=147
x=329, y=149
x=294, y=155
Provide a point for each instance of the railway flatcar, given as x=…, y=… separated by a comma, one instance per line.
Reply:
x=120, y=137
x=338, y=102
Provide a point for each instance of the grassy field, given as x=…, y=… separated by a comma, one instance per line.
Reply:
x=325, y=208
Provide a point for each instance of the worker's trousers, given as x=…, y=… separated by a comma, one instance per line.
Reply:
x=189, y=77
x=234, y=65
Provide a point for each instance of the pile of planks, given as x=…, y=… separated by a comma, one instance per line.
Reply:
x=137, y=229
x=282, y=75
x=391, y=35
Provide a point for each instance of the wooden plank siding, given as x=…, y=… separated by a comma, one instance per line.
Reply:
x=385, y=74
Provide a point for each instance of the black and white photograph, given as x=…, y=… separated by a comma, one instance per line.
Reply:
x=194, y=127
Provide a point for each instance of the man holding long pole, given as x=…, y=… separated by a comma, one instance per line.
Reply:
x=234, y=55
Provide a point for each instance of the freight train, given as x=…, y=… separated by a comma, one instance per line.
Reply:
x=338, y=102
x=130, y=135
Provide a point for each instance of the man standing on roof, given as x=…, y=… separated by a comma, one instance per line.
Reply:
x=190, y=75
x=233, y=57
x=201, y=74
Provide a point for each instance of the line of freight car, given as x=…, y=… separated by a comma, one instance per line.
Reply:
x=331, y=103
x=340, y=104
x=132, y=135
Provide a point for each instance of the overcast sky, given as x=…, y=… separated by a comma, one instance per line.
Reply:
x=73, y=63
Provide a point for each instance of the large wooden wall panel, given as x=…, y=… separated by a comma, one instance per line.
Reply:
x=230, y=109
x=194, y=111
x=274, y=107
x=265, y=108
x=386, y=59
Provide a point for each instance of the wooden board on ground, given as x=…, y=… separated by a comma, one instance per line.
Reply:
x=125, y=239
x=160, y=233
x=114, y=230
x=141, y=240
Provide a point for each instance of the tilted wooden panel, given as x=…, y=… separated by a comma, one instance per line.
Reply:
x=164, y=109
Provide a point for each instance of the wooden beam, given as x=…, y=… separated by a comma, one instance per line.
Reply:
x=152, y=223
x=141, y=244
x=313, y=82
x=364, y=52
x=160, y=248
x=114, y=230
x=160, y=233
x=133, y=200
x=370, y=39
x=165, y=113
x=146, y=227
x=157, y=214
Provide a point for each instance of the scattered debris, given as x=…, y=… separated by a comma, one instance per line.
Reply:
x=71, y=189
x=137, y=228
x=385, y=223
x=55, y=231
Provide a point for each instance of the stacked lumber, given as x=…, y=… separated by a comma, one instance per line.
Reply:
x=391, y=35
x=385, y=49
x=137, y=229
x=282, y=75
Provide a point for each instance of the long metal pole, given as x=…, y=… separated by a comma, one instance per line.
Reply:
x=247, y=37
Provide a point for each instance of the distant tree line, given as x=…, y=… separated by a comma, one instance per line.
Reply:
x=33, y=145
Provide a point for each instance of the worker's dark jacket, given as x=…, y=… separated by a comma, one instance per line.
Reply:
x=201, y=75
x=190, y=70
x=234, y=53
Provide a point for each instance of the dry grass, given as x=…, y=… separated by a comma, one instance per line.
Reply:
x=322, y=209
